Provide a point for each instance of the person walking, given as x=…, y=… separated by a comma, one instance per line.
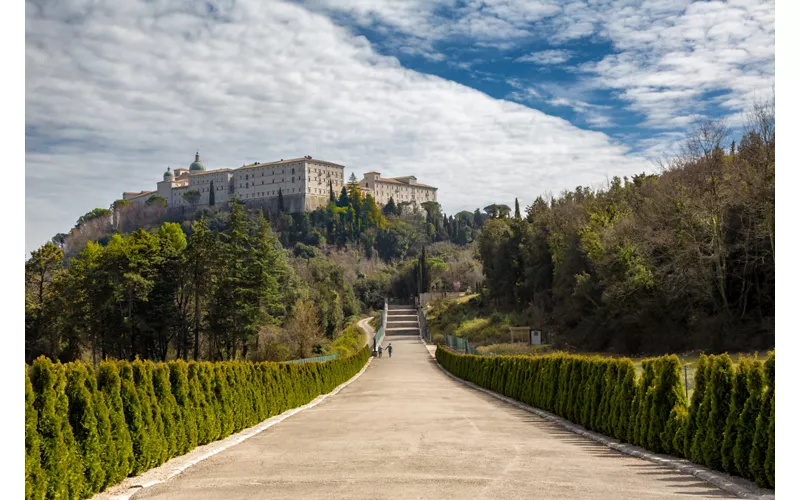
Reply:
x=389, y=348
x=380, y=351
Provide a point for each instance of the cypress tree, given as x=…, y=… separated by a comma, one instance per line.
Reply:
x=738, y=399
x=212, y=200
x=624, y=398
x=673, y=435
x=35, y=480
x=701, y=429
x=745, y=428
x=694, y=406
x=83, y=421
x=769, y=462
x=108, y=455
x=280, y=201
x=174, y=433
x=758, y=453
x=53, y=449
x=135, y=418
x=517, y=215
x=179, y=383
x=120, y=456
x=331, y=194
x=668, y=393
x=75, y=469
x=720, y=386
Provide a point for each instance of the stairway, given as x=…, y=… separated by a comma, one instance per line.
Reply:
x=402, y=320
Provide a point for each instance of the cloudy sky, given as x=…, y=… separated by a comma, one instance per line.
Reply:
x=489, y=100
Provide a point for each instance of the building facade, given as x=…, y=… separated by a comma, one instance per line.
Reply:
x=402, y=189
x=304, y=184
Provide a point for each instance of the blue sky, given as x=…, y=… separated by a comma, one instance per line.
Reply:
x=487, y=100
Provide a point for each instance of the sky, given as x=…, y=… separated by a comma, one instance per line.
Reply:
x=488, y=100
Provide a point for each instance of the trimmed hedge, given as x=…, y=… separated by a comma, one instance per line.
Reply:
x=85, y=431
x=728, y=425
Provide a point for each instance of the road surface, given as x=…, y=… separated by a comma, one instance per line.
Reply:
x=405, y=430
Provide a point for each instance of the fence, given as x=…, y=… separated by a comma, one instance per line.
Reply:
x=318, y=359
x=459, y=344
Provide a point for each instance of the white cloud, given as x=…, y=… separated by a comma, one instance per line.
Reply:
x=703, y=46
x=555, y=56
x=118, y=91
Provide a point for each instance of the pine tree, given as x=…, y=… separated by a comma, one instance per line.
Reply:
x=390, y=208
x=212, y=200
x=201, y=259
x=344, y=199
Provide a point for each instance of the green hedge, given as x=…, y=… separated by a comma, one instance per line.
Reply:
x=728, y=425
x=87, y=430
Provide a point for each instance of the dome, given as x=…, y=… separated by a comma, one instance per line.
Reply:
x=168, y=175
x=197, y=164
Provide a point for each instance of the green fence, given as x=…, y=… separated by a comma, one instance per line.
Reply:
x=459, y=344
x=318, y=359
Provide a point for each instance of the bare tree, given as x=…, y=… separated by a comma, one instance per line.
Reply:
x=303, y=328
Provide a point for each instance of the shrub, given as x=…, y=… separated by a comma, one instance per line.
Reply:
x=719, y=389
x=769, y=463
x=746, y=426
x=84, y=432
x=52, y=446
x=738, y=399
x=758, y=453
x=667, y=394
x=603, y=395
x=34, y=475
x=697, y=433
x=83, y=421
x=119, y=451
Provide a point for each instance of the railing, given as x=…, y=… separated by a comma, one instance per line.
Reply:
x=424, y=332
x=381, y=331
x=318, y=359
x=459, y=344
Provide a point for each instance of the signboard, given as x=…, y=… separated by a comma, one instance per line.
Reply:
x=536, y=337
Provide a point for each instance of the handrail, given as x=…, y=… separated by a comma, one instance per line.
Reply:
x=381, y=331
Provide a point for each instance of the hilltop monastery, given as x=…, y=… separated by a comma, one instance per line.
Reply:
x=303, y=183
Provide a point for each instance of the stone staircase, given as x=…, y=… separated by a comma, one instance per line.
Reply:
x=402, y=320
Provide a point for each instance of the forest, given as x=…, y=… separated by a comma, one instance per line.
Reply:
x=668, y=262
x=229, y=282
x=679, y=260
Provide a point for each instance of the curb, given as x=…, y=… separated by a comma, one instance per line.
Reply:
x=228, y=442
x=736, y=486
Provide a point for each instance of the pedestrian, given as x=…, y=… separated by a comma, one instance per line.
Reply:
x=380, y=351
x=389, y=348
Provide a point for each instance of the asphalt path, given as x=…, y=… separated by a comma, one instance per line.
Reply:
x=405, y=430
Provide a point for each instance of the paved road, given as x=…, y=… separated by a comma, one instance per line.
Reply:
x=405, y=430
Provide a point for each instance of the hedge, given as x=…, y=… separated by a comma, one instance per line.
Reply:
x=87, y=430
x=729, y=424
